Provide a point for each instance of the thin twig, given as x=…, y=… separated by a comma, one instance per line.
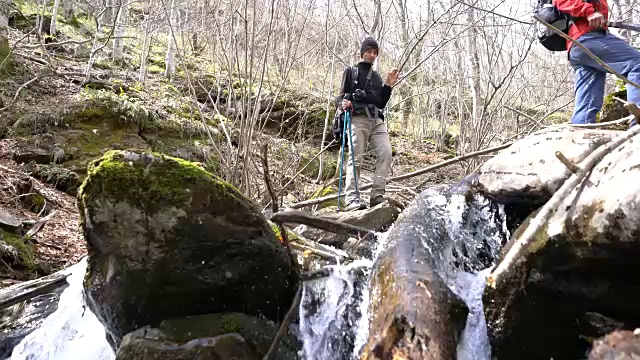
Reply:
x=604, y=124
x=284, y=326
x=528, y=117
x=74, y=42
x=587, y=51
x=15, y=97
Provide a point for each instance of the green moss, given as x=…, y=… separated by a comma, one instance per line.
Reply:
x=311, y=167
x=25, y=251
x=326, y=191
x=276, y=230
x=154, y=182
x=155, y=69
x=6, y=56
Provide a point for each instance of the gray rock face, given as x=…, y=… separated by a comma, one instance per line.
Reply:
x=579, y=278
x=530, y=169
x=167, y=239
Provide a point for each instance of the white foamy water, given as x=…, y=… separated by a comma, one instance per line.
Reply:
x=72, y=332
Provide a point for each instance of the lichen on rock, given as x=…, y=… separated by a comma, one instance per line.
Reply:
x=167, y=239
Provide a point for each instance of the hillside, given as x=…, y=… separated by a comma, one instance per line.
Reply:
x=55, y=121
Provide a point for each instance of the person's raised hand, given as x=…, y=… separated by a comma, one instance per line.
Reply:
x=597, y=20
x=346, y=104
x=392, y=77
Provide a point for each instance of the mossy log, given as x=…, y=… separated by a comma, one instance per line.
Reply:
x=414, y=314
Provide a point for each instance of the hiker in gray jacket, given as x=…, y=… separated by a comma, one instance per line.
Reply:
x=369, y=95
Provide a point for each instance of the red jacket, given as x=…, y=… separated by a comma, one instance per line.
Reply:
x=580, y=10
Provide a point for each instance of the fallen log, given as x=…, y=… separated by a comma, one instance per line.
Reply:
x=18, y=293
x=408, y=175
x=414, y=314
x=299, y=217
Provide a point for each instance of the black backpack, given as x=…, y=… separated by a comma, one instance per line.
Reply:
x=550, y=14
x=338, y=117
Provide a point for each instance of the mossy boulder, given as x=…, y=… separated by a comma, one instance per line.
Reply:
x=146, y=344
x=167, y=239
x=193, y=336
x=579, y=277
x=613, y=109
x=17, y=254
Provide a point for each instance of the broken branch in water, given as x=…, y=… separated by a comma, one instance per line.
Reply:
x=284, y=326
x=336, y=227
x=29, y=289
x=409, y=175
x=529, y=234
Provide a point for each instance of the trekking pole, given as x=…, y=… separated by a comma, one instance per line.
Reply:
x=344, y=130
x=621, y=25
x=353, y=161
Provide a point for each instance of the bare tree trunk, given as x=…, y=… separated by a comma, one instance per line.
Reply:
x=473, y=64
x=170, y=68
x=54, y=15
x=146, y=44
x=5, y=49
x=329, y=107
x=107, y=17
x=406, y=91
x=67, y=10
x=118, y=42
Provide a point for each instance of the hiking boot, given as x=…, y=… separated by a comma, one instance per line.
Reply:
x=377, y=200
x=355, y=204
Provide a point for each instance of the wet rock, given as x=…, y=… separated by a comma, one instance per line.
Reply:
x=378, y=218
x=146, y=345
x=577, y=279
x=618, y=345
x=212, y=336
x=167, y=239
x=18, y=321
x=529, y=169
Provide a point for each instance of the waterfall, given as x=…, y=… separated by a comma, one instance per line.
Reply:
x=334, y=310
x=71, y=332
x=333, y=313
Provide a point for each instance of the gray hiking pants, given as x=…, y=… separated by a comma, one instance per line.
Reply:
x=375, y=132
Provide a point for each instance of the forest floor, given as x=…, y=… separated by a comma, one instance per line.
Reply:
x=53, y=124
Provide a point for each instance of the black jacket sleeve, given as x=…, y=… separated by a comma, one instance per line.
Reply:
x=345, y=85
x=385, y=95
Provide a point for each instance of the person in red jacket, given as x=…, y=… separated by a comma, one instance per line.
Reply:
x=590, y=29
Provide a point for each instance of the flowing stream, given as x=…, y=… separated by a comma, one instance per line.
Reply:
x=333, y=311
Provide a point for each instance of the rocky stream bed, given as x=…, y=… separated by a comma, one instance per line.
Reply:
x=181, y=265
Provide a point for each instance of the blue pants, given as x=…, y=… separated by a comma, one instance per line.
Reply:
x=590, y=77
